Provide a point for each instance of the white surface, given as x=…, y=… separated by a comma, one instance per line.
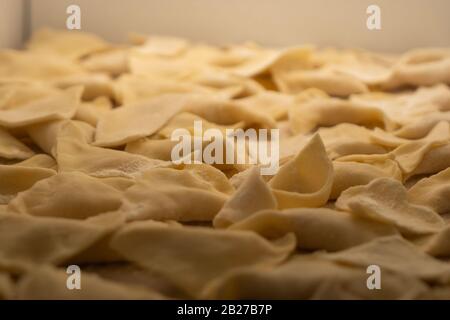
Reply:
x=405, y=23
x=11, y=23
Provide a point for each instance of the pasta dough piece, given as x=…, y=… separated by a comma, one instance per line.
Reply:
x=14, y=94
x=395, y=282
x=181, y=195
x=409, y=155
x=273, y=104
x=68, y=44
x=164, y=46
x=27, y=242
x=88, y=197
x=129, y=123
x=310, y=277
x=59, y=106
x=153, y=149
x=186, y=120
x=438, y=245
x=6, y=287
x=422, y=126
x=12, y=148
x=395, y=254
x=438, y=95
x=433, y=192
x=306, y=180
x=298, y=69
x=333, y=83
x=174, y=67
x=95, y=85
x=368, y=67
x=385, y=200
x=291, y=145
x=224, y=85
x=440, y=134
x=190, y=257
x=113, y=61
x=90, y=112
x=24, y=66
x=46, y=134
x=39, y=161
x=47, y=283
x=131, y=88
x=213, y=176
x=247, y=60
x=404, y=108
x=162, y=150
x=194, y=67
x=353, y=173
x=436, y=293
x=252, y=196
x=74, y=154
x=420, y=67
x=315, y=228
x=18, y=178
x=306, y=116
x=347, y=138
x=223, y=112
x=434, y=161
x=130, y=274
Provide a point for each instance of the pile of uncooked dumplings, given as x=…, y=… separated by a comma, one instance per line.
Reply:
x=86, y=176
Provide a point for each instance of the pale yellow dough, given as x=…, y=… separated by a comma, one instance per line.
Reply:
x=360, y=145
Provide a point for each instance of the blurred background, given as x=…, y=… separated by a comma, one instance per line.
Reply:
x=405, y=24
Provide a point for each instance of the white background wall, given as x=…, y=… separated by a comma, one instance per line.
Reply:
x=405, y=23
x=11, y=23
